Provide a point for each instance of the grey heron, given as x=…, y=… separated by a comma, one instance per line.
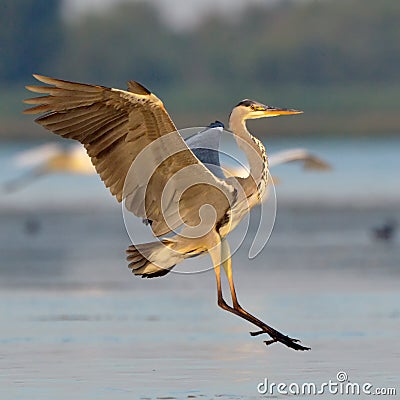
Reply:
x=116, y=127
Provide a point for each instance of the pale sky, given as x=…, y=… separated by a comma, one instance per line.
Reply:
x=179, y=13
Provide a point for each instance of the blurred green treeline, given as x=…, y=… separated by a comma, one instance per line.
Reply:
x=338, y=60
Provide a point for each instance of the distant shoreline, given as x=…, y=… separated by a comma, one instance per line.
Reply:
x=311, y=125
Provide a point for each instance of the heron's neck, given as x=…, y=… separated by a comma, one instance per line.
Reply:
x=254, y=150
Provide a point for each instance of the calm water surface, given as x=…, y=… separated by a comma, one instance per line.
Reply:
x=76, y=324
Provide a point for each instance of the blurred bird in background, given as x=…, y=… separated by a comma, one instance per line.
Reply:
x=50, y=159
x=386, y=232
x=73, y=159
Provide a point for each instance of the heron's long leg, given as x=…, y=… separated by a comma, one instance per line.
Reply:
x=217, y=268
x=227, y=265
x=225, y=260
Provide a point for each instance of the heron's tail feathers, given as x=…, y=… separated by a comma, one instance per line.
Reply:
x=156, y=259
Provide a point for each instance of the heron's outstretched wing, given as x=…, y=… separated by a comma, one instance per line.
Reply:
x=117, y=126
x=309, y=160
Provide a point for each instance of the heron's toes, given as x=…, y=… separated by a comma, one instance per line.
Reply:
x=278, y=337
x=256, y=333
x=287, y=341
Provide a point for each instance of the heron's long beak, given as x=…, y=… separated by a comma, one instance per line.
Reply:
x=274, y=111
x=262, y=111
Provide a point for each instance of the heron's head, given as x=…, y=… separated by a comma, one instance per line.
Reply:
x=250, y=109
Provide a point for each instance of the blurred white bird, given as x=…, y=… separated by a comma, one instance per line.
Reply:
x=50, y=159
x=54, y=158
x=306, y=159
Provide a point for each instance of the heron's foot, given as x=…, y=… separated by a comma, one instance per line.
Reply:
x=279, y=337
x=289, y=342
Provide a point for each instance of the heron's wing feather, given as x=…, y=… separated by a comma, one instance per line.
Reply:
x=309, y=160
x=117, y=126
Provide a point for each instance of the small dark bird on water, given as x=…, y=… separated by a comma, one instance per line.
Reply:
x=32, y=226
x=386, y=232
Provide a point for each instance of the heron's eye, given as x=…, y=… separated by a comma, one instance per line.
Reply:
x=253, y=107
